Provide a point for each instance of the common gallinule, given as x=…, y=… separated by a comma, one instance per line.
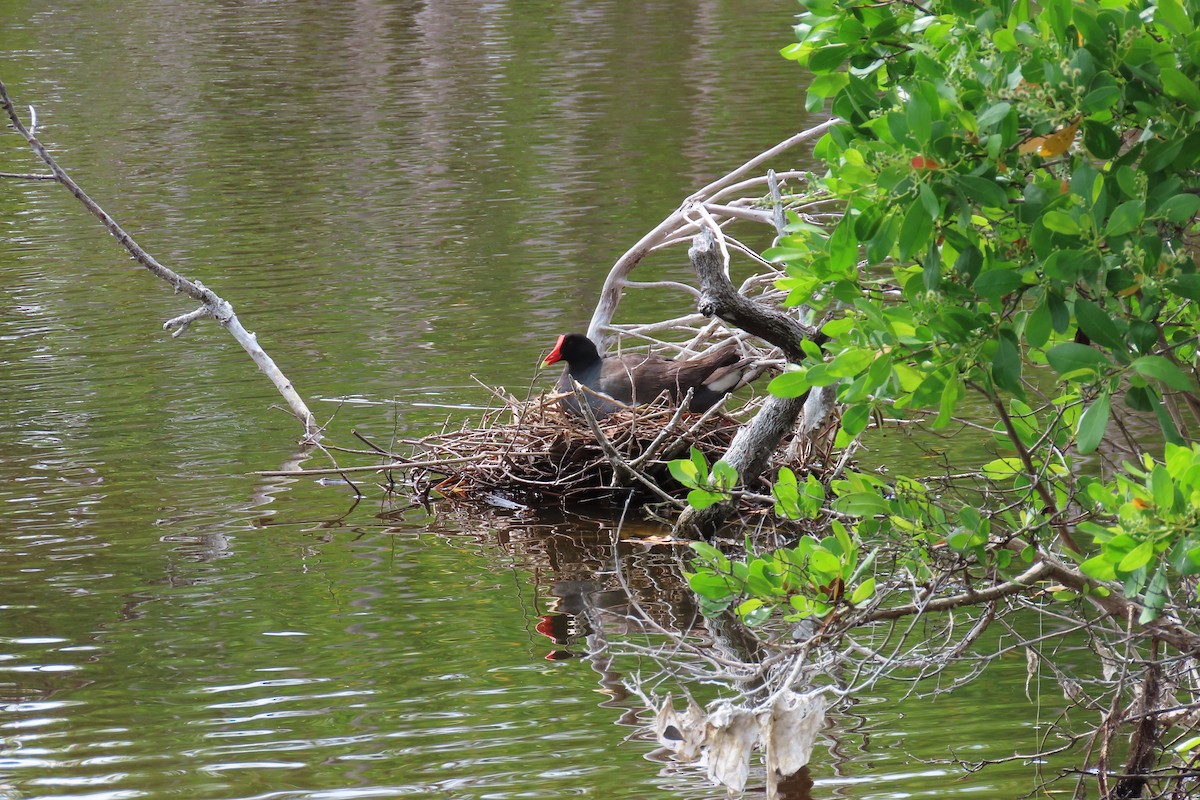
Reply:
x=640, y=378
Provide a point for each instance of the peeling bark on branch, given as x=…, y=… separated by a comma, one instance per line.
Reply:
x=718, y=298
x=752, y=446
x=212, y=304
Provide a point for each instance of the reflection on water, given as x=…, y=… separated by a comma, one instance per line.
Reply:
x=369, y=657
x=374, y=657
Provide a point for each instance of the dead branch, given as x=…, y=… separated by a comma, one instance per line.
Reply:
x=677, y=225
x=1016, y=585
x=212, y=305
x=750, y=450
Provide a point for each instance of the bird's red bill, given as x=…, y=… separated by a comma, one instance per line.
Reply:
x=556, y=353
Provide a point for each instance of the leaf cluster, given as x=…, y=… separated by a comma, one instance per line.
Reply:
x=706, y=487
x=1019, y=193
x=812, y=579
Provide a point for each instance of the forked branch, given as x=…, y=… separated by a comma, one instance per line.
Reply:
x=678, y=225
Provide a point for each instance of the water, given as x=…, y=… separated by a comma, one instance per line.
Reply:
x=398, y=198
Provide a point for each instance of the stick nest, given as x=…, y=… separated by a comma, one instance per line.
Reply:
x=534, y=450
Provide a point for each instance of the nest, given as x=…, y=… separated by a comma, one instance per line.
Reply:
x=534, y=450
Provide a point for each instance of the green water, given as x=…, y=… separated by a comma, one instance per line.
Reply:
x=396, y=197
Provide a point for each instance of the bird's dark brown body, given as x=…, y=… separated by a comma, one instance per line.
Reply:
x=635, y=379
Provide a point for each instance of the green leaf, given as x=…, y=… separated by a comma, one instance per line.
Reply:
x=1163, y=488
x=712, y=586
x=983, y=191
x=1100, y=568
x=1002, y=469
x=829, y=84
x=914, y=231
x=1186, y=286
x=1170, y=432
x=861, y=504
x=1037, y=327
x=1097, y=324
x=793, y=51
x=968, y=264
x=790, y=384
x=1171, y=13
x=828, y=58
x=1162, y=369
x=995, y=283
x=1160, y=155
x=1156, y=596
x=839, y=327
x=1070, y=358
x=851, y=363
x=1180, y=86
x=1006, y=366
x=1061, y=222
x=762, y=581
x=1101, y=140
x=1060, y=315
x=1096, y=100
x=1137, y=558
x=724, y=476
x=753, y=612
x=701, y=499
x=930, y=201
x=1092, y=424
x=787, y=495
x=1180, y=208
x=993, y=115
x=855, y=419
x=824, y=562
x=1187, y=559
x=1188, y=745
x=864, y=591
x=843, y=247
x=804, y=607
x=919, y=117
x=683, y=471
x=709, y=553
x=881, y=244
x=1125, y=218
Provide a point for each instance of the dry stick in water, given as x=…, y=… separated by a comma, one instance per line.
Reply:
x=212, y=305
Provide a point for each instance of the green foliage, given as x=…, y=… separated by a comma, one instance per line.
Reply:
x=1019, y=179
x=794, y=501
x=1147, y=525
x=811, y=579
x=706, y=487
x=1019, y=192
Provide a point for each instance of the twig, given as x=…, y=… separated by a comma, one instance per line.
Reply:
x=29, y=176
x=676, y=225
x=614, y=457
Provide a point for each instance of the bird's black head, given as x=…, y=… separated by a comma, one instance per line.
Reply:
x=574, y=348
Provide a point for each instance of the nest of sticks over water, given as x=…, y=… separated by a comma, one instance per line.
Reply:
x=534, y=450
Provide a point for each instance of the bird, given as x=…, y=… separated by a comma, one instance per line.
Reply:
x=634, y=379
